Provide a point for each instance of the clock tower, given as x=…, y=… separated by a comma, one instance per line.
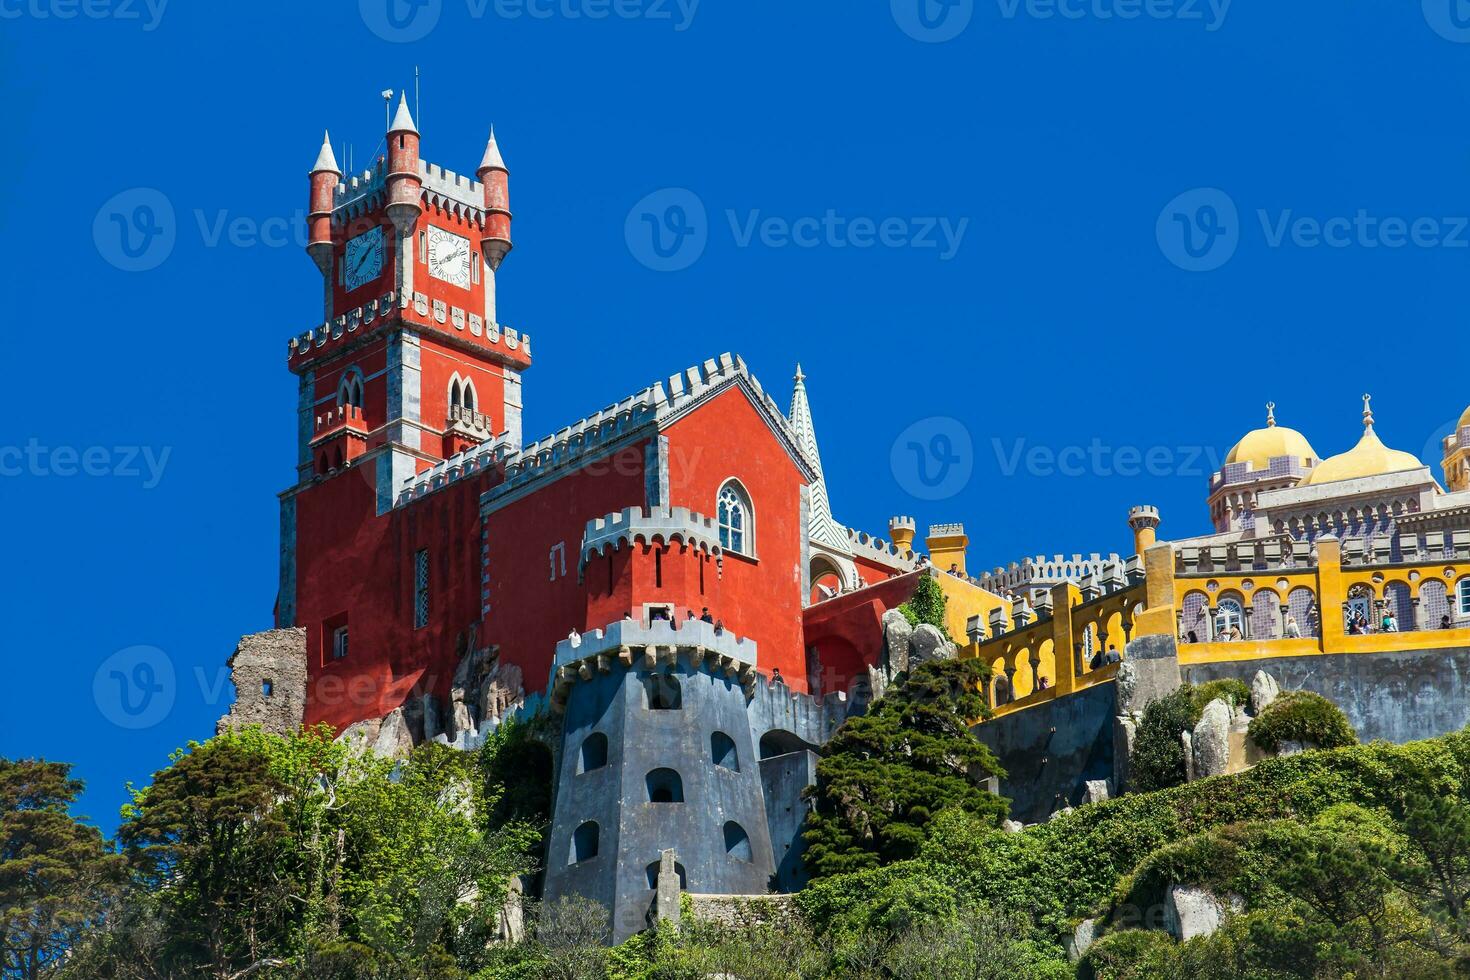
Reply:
x=411, y=365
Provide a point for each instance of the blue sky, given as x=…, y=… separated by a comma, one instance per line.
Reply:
x=1159, y=217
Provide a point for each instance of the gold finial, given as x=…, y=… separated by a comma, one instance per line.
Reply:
x=1270, y=414
x=1368, y=411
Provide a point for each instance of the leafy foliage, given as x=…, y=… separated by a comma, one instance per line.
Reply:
x=1301, y=716
x=1157, y=761
x=927, y=605
x=1236, y=692
x=886, y=773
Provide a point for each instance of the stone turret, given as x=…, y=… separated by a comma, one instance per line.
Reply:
x=1144, y=520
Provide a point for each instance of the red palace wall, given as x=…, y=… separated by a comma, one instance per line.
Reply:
x=761, y=598
x=847, y=631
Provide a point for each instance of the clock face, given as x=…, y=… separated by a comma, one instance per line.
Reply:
x=449, y=257
x=362, y=262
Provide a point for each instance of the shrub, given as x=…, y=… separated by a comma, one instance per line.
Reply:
x=1301, y=716
x=1237, y=692
x=1133, y=954
x=927, y=605
x=1157, y=761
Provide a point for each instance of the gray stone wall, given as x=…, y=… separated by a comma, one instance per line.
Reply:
x=269, y=673
x=784, y=778
x=632, y=830
x=1397, y=697
x=1051, y=750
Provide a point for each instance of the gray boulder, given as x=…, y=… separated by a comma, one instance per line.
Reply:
x=1264, y=690
x=896, y=635
x=1096, y=792
x=1013, y=826
x=1191, y=911
x=1082, y=939
x=1210, y=743
x=395, y=736
x=928, y=644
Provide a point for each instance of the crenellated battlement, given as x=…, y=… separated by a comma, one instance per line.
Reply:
x=635, y=524
x=342, y=328
x=452, y=192
x=658, y=403
x=865, y=545
x=443, y=189
x=581, y=657
x=1042, y=571
x=341, y=417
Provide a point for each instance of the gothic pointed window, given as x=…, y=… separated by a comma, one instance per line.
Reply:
x=349, y=392
x=737, y=519
x=469, y=396
x=455, y=398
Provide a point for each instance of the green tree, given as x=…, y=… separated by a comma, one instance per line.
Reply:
x=1157, y=761
x=887, y=772
x=56, y=872
x=208, y=843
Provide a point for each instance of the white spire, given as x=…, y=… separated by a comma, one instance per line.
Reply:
x=492, y=160
x=821, y=527
x=403, y=119
x=326, y=160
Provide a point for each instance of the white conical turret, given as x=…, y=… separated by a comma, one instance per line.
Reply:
x=821, y=527
x=403, y=119
x=326, y=160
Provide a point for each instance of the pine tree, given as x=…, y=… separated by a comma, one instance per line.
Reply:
x=886, y=773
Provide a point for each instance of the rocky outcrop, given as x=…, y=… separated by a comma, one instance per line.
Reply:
x=1012, y=826
x=269, y=673
x=928, y=643
x=897, y=631
x=1264, y=690
x=1125, y=730
x=1096, y=791
x=1191, y=911
x=394, y=738
x=1150, y=670
x=1210, y=741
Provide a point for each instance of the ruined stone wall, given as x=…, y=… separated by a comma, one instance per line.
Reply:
x=269, y=673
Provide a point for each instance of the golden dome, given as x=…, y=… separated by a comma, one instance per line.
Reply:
x=1370, y=457
x=1260, y=446
x=1464, y=420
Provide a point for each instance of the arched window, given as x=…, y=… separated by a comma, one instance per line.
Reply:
x=594, y=752
x=1229, y=614
x=663, y=692
x=737, y=842
x=469, y=396
x=584, y=843
x=349, y=392
x=456, y=399
x=737, y=519
x=664, y=786
x=781, y=742
x=722, y=750
x=1463, y=591
x=653, y=870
